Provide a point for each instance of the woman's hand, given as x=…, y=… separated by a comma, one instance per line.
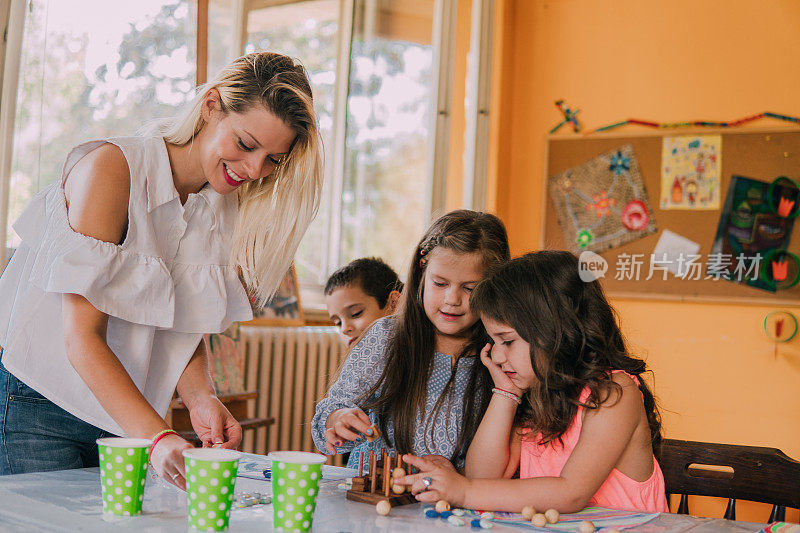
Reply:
x=501, y=380
x=214, y=424
x=346, y=425
x=167, y=459
x=446, y=482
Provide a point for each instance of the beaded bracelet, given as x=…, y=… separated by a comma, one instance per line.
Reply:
x=160, y=435
x=507, y=394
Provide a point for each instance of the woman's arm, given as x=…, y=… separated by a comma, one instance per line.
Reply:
x=97, y=198
x=97, y=192
x=605, y=435
x=211, y=420
x=337, y=418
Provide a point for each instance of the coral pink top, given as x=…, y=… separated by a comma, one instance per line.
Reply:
x=618, y=491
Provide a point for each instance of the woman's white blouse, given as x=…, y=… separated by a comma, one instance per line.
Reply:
x=162, y=288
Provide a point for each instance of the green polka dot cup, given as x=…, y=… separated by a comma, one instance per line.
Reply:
x=295, y=484
x=123, y=471
x=210, y=477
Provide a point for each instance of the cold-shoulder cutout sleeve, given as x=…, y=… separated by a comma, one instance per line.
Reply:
x=118, y=282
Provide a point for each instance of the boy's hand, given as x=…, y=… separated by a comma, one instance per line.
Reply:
x=445, y=482
x=501, y=380
x=345, y=425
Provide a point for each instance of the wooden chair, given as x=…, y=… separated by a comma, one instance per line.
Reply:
x=735, y=472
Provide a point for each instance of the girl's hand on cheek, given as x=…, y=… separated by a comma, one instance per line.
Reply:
x=446, y=483
x=501, y=380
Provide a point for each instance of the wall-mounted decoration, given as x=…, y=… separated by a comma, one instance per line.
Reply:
x=780, y=326
x=753, y=239
x=690, y=170
x=603, y=202
x=284, y=308
x=696, y=123
x=634, y=269
x=226, y=360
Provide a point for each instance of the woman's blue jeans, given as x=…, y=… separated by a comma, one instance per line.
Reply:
x=36, y=435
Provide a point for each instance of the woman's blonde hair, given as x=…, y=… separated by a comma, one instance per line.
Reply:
x=274, y=212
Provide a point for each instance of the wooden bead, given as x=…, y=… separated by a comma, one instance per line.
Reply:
x=539, y=520
x=442, y=506
x=528, y=512
x=383, y=507
x=398, y=489
x=398, y=472
x=586, y=526
x=552, y=516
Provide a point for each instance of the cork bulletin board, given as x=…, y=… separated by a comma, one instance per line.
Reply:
x=761, y=155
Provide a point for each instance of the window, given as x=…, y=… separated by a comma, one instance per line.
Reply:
x=387, y=135
x=91, y=69
x=383, y=174
x=307, y=30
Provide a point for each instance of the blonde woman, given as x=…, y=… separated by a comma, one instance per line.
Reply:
x=135, y=253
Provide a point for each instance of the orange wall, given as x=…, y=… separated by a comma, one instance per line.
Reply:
x=715, y=372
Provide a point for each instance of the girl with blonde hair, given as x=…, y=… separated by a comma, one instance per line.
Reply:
x=136, y=252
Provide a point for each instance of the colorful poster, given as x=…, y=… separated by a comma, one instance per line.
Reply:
x=690, y=171
x=226, y=360
x=602, y=203
x=754, y=230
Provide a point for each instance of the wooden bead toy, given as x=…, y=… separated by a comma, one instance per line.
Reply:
x=586, y=526
x=552, y=516
x=539, y=520
x=442, y=506
x=376, y=434
x=453, y=520
x=383, y=507
x=398, y=472
x=377, y=485
x=528, y=512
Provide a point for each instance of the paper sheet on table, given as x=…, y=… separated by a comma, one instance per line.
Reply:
x=601, y=517
x=253, y=466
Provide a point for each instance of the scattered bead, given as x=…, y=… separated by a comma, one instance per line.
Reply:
x=552, y=516
x=398, y=489
x=488, y=515
x=586, y=526
x=431, y=513
x=442, y=506
x=445, y=514
x=455, y=521
x=458, y=512
x=383, y=507
x=539, y=520
x=487, y=524
x=528, y=512
x=476, y=522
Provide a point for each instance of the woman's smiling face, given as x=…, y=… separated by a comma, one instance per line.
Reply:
x=241, y=147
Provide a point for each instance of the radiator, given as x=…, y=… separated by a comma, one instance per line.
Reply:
x=291, y=368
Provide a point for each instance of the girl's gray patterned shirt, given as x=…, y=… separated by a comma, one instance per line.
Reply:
x=361, y=370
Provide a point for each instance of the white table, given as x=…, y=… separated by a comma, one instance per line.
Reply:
x=69, y=500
